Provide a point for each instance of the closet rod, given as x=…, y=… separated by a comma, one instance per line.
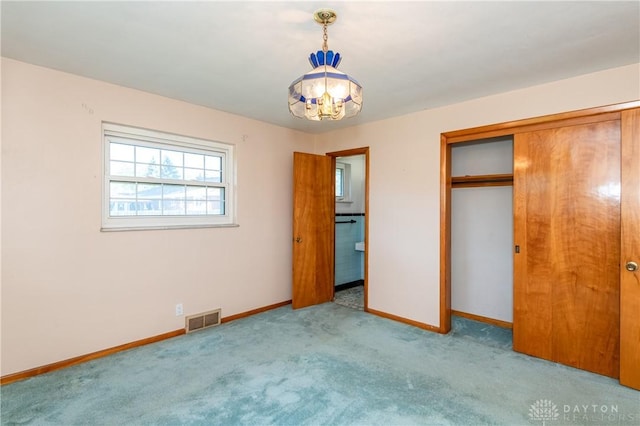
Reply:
x=347, y=221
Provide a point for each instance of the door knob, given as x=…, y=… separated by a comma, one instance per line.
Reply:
x=631, y=266
x=298, y=240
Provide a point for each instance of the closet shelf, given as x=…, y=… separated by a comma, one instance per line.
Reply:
x=481, y=180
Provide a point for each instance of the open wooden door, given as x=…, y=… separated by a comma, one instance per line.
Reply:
x=313, y=229
x=630, y=251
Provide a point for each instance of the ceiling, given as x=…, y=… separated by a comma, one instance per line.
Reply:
x=241, y=56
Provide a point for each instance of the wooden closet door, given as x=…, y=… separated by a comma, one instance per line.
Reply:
x=567, y=227
x=630, y=236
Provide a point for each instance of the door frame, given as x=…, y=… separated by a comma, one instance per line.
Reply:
x=348, y=153
x=448, y=139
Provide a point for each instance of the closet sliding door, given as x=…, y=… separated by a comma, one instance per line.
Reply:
x=567, y=237
x=630, y=252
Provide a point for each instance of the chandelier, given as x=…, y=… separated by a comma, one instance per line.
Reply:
x=325, y=93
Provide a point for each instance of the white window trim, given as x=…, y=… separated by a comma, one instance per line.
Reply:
x=155, y=138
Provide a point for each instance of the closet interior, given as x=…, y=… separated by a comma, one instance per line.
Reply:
x=482, y=230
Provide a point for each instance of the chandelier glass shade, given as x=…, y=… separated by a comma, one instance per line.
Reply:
x=324, y=93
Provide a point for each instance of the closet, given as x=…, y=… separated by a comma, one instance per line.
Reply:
x=576, y=240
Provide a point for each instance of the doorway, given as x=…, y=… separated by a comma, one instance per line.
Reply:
x=313, y=277
x=351, y=169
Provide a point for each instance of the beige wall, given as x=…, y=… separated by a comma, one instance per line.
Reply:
x=68, y=289
x=405, y=179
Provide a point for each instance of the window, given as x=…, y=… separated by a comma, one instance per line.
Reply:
x=343, y=182
x=159, y=180
x=339, y=182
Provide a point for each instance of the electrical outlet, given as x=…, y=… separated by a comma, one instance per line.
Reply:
x=179, y=310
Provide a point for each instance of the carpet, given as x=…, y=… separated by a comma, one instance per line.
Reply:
x=323, y=365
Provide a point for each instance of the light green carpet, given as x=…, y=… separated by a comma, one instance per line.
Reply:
x=325, y=365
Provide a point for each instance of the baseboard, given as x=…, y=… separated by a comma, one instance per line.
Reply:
x=486, y=320
x=404, y=320
x=21, y=375
x=255, y=311
x=10, y=378
x=351, y=284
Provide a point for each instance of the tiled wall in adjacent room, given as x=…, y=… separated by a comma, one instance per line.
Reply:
x=349, y=262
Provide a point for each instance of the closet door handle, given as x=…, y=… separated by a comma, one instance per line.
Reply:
x=631, y=266
x=298, y=240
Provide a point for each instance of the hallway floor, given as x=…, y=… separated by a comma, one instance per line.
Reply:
x=351, y=298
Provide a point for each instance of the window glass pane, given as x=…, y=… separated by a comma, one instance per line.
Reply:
x=195, y=161
x=122, y=152
x=121, y=168
x=173, y=207
x=148, y=170
x=213, y=166
x=149, y=191
x=212, y=176
x=122, y=190
x=173, y=197
x=171, y=167
x=149, y=197
x=119, y=207
x=196, y=193
x=213, y=163
x=133, y=207
x=149, y=207
x=147, y=155
x=196, y=200
x=214, y=194
x=196, y=207
x=339, y=182
x=215, y=207
x=172, y=158
x=215, y=201
x=171, y=172
x=173, y=192
x=147, y=162
x=194, y=174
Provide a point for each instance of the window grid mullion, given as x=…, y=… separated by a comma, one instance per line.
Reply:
x=133, y=179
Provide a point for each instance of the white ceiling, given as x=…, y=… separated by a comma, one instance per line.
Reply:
x=241, y=56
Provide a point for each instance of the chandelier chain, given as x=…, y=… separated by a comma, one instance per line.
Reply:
x=325, y=38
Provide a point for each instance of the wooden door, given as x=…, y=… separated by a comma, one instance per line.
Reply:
x=630, y=251
x=313, y=229
x=567, y=227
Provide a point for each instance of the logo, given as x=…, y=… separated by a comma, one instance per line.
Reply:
x=543, y=411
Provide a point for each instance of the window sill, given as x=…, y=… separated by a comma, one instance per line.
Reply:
x=156, y=228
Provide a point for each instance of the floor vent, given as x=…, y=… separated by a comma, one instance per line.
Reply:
x=203, y=320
